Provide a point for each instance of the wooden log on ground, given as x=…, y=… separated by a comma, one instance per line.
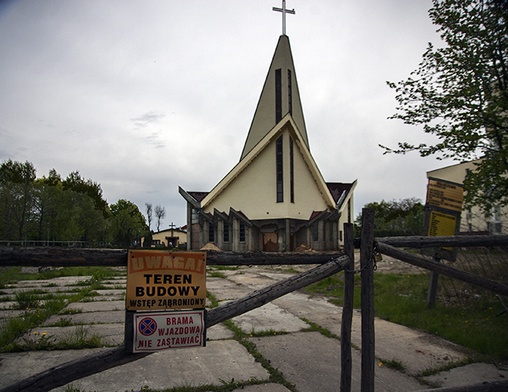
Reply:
x=430, y=264
x=70, y=257
x=61, y=257
x=68, y=372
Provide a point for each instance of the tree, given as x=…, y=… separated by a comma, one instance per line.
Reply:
x=75, y=182
x=127, y=223
x=160, y=213
x=396, y=218
x=149, y=215
x=459, y=94
x=147, y=243
x=16, y=197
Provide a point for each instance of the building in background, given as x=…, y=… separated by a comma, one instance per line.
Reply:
x=169, y=238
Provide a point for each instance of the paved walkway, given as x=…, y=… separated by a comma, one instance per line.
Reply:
x=295, y=355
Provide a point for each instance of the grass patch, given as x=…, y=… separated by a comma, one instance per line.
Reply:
x=216, y=274
x=317, y=328
x=276, y=376
x=267, y=332
x=392, y=364
x=63, y=322
x=402, y=299
x=30, y=320
x=224, y=267
x=27, y=300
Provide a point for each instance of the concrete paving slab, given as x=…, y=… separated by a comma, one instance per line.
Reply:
x=468, y=375
x=60, y=281
x=218, y=332
x=107, y=295
x=114, y=286
x=8, y=305
x=269, y=317
x=113, y=316
x=221, y=360
x=315, y=309
x=312, y=363
x=416, y=350
x=18, y=366
x=224, y=289
x=252, y=280
x=7, y=314
x=102, y=306
x=42, y=290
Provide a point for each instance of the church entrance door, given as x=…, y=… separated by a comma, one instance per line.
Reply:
x=270, y=242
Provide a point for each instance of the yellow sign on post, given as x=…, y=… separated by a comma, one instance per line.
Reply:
x=160, y=280
x=442, y=224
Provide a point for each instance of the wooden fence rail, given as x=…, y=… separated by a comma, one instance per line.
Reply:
x=65, y=257
x=430, y=264
x=445, y=241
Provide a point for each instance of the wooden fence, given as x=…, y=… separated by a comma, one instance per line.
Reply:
x=328, y=264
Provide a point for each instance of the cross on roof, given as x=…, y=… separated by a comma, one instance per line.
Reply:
x=284, y=12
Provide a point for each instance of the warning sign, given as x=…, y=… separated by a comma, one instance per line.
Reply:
x=160, y=280
x=444, y=194
x=165, y=330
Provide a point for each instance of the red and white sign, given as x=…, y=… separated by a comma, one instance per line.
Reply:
x=165, y=330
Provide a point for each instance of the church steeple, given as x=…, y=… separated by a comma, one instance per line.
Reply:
x=279, y=97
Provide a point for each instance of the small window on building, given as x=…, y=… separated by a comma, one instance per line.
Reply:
x=242, y=232
x=211, y=232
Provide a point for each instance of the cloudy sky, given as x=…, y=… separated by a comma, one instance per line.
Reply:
x=146, y=96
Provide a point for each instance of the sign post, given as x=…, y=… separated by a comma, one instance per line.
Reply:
x=442, y=214
x=443, y=208
x=165, y=300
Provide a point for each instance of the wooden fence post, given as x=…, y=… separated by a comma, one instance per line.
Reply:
x=367, y=295
x=347, y=310
x=432, y=293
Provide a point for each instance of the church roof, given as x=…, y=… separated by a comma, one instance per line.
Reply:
x=340, y=190
x=286, y=123
x=279, y=96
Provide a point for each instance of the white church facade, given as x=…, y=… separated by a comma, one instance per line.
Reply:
x=275, y=199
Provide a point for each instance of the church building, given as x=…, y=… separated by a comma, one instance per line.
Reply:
x=275, y=199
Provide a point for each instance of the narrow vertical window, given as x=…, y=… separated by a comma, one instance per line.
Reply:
x=278, y=95
x=290, y=93
x=211, y=232
x=226, y=232
x=279, y=170
x=291, y=171
x=315, y=232
x=242, y=232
